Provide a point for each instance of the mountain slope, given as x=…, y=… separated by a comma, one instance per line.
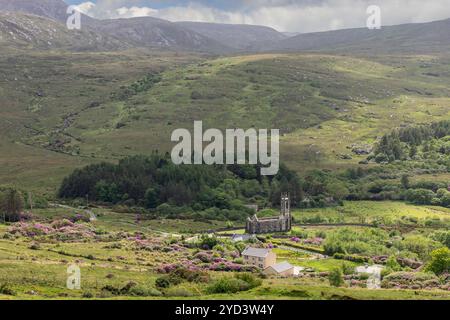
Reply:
x=114, y=34
x=408, y=38
x=25, y=31
x=153, y=32
x=150, y=32
x=51, y=9
x=236, y=36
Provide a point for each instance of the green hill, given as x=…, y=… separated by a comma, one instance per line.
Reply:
x=61, y=111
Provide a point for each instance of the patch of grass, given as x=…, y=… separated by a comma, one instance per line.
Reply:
x=366, y=212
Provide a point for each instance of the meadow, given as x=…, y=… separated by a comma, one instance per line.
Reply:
x=372, y=212
x=122, y=258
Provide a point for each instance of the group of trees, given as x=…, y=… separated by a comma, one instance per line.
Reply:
x=375, y=242
x=142, y=85
x=427, y=196
x=155, y=183
x=404, y=152
x=11, y=205
x=207, y=192
x=405, y=143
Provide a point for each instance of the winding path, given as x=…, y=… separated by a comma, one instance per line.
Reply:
x=92, y=216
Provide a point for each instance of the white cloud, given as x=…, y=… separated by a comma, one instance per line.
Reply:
x=86, y=7
x=283, y=15
x=132, y=12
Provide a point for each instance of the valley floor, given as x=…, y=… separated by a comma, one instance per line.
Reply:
x=115, y=252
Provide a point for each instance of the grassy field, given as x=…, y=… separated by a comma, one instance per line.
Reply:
x=45, y=94
x=366, y=212
x=41, y=273
x=309, y=97
x=108, y=219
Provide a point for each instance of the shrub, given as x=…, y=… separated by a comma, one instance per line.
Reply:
x=208, y=242
x=393, y=264
x=251, y=279
x=443, y=237
x=347, y=268
x=143, y=291
x=178, y=292
x=228, y=285
x=178, y=275
x=418, y=244
x=440, y=261
x=195, y=95
x=420, y=196
x=409, y=280
x=35, y=246
x=131, y=288
x=7, y=290
x=163, y=282
x=352, y=258
x=336, y=278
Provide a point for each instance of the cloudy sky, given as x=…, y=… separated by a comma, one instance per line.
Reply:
x=283, y=15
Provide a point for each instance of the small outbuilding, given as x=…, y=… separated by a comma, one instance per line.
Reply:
x=282, y=269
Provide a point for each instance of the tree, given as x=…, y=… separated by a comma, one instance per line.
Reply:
x=151, y=198
x=420, y=196
x=413, y=151
x=405, y=181
x=389, y=148
x=444, y=197
x=440, y=261
x=11, y=205
x=338, y=190
x=107, y=192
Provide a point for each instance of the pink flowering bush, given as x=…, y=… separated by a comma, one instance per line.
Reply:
x=412, y=280
x=30, y=230
x=61, y=230
x=204, y=256
x=26, y=216
x=204, y=261
x=139, y=242
x=313, y=241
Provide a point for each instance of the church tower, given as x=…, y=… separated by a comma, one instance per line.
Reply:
x=285, y=213
x=285, y=204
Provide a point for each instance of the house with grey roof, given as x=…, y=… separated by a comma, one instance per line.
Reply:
x=259, y=257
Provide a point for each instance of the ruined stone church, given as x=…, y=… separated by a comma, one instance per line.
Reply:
x=283, y=223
